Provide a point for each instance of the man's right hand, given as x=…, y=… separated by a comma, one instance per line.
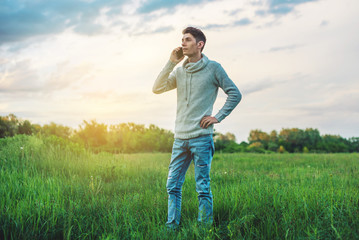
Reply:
x=174, y=58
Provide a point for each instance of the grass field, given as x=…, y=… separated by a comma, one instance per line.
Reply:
x=51, y=189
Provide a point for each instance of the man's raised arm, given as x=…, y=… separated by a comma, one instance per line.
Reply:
x=165, y=81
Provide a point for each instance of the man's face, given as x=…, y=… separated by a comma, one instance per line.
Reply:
x=189, y=45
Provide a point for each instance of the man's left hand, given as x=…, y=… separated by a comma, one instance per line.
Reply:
x=208, y=121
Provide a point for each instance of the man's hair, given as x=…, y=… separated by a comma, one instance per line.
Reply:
x=196, y=33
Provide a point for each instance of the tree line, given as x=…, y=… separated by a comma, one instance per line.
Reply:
x=131, y=138
x=291, y=140
x=117, y=138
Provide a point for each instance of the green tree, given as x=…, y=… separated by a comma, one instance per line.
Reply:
x=259, y=136
x=25, y=127
x=333, y=144
x=8, y=125
x=91, y=134
x=354, y=144
x=56, y=130
x=227, y=143
x=273, y=146
x=256, y=147
x=130, y=137
x=312, y=138
x=293, y=140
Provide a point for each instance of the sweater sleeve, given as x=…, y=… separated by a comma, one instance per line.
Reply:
x=165, y=81
x=234, y=96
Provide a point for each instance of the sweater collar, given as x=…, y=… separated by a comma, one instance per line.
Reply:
x=196, y=66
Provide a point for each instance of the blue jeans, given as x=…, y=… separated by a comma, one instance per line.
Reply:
x=200, y=150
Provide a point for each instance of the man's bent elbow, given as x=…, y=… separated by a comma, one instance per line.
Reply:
x=156, y=90
x=239, y=97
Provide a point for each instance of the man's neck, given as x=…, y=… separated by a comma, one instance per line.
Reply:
x=195, y=58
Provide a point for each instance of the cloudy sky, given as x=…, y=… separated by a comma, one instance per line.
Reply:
x=295, y=61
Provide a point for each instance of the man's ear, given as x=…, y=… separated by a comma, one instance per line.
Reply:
x=200, y=44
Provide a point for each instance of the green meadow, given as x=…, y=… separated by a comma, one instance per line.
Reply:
x=54, y=189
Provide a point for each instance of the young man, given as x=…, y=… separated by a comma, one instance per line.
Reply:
x=197, y=82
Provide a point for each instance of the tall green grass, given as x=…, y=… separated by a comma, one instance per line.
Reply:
x=53, y=189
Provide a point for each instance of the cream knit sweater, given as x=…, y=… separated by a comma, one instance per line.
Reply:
x=197, y=87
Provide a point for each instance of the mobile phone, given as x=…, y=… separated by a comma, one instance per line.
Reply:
x=179, y=53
